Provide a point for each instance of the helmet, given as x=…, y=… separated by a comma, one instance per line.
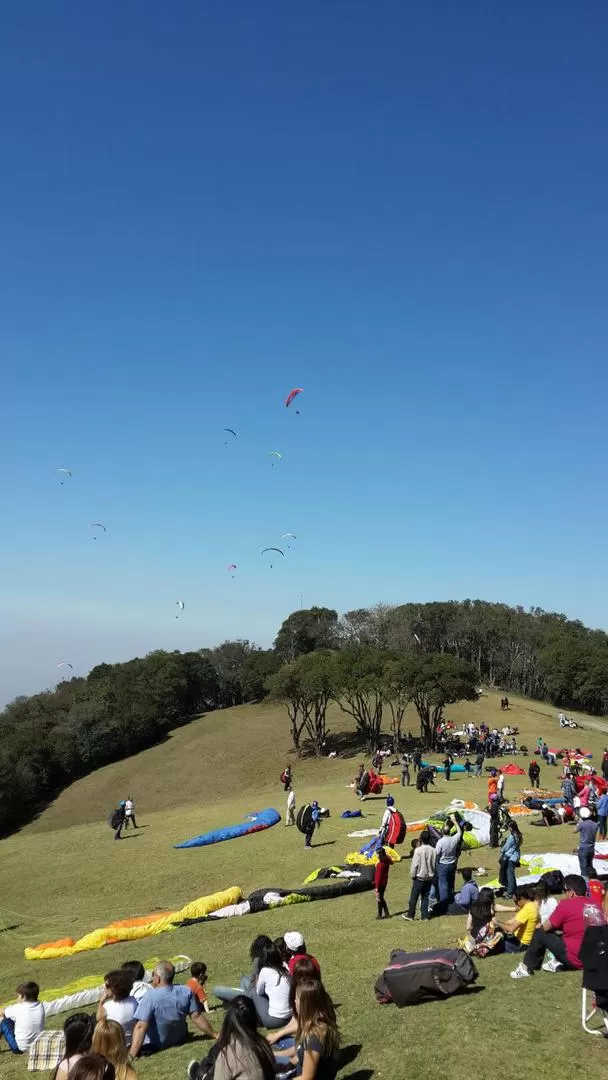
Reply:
x=389, y=800
x=315, y=803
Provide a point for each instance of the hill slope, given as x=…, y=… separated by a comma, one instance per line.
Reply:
x=63, y=874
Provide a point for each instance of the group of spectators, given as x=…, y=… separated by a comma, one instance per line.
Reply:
x=281, y=992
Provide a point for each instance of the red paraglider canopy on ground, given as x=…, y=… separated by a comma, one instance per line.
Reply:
x=513, y=770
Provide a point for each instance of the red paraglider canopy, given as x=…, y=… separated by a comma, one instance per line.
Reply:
x=513, y=770
x=293, y=394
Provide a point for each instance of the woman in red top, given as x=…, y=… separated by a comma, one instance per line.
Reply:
x=380, y=883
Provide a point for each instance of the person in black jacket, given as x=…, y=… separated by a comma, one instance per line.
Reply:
x=534, y=773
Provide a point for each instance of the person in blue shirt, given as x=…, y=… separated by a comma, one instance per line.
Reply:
x=602, y=815
x=163, y=1012
x=510, y=854
x=314, y=822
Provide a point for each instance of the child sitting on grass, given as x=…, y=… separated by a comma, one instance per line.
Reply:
x=196, y=984
x=22, y=1023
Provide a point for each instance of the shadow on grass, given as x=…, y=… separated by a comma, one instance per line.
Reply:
x=360, y=1074
x=346, y=1057
x=326, y=843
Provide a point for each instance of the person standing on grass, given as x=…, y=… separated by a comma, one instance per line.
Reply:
x=381, y=882
x=286, y=777
x=534, y=773
x=130, y=812
x=587, y=830
x=21, y=1024
x=447, y=766
x=605, y=764
x=602, y=815
x=290, y=817
x=416, y=760
x=422, y=873
x=447, y=851
x=568, y=789
x=314, y=823
x=479, y=760
x=510, y=854
x=405, y=770
x=500, y=786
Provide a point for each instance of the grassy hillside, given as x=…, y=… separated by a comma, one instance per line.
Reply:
x=64, y=874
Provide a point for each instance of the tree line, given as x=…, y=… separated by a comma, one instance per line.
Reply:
x=373, y=662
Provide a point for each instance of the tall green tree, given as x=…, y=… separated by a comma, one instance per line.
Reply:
x=306, y=631
x=359, y=688
x=436, y=681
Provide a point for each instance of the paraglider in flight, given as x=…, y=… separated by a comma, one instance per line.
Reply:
x=293, y=394
x=231, y=566
x=275, y=453
x=289, y=536
x=180, y=605
x=97, y=525
x=64, y=663
x=273, y=549
x=230, y=432
x=65, y=472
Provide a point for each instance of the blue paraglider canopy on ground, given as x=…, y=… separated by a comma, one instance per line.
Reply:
x=255, y=822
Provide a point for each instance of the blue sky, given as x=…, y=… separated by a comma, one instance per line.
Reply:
x=400, y=208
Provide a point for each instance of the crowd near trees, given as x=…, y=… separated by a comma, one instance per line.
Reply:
x=373, y=663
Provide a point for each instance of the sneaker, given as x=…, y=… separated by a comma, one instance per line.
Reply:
x=193, y=1070
x=521, y=972
x=553, y=965
x=408, y=918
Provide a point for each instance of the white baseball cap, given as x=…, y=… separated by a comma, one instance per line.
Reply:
x=294, y=940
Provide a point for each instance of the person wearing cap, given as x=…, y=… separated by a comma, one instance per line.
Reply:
x=296, y=950
x=587, y=830
x=314, y=822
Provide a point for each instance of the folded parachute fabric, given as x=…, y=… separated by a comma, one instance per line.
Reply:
x=513, y=770
x=256, y=822
x=351, y=813
x=357, y=858
x=363, y=832
x=88, y=989
x=537, y=865
x=389, y=779
x=135, y=928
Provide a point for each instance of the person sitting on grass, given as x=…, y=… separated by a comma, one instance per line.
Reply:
x=562, y=933
x=483, y=936
x=137, y=972
x=196, y=983
x=466, y=894
x=109, y=1041
x=93, y=1067
x=247, y=982
x=78, y=1034
x=304, y=971
x=117, y=1002
x=271, y=993
x=162, y=1013
x=240, y=1052
x=21, y=1024
x=519, y=930
x=296, y=950
x=317, y=1036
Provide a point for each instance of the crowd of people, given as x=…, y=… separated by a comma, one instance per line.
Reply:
x=282, y=992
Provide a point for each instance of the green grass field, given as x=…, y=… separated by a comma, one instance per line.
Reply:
x=64, y=875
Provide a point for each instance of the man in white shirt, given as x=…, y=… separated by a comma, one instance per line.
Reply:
x=291, y=809
x=22, y=1023
x=130, y=813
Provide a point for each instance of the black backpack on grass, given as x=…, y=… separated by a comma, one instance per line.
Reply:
x=115, y=819
x=412, y=978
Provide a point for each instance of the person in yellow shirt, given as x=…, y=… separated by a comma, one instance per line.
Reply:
x=520, y=929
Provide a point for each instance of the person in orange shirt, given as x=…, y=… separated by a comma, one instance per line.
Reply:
x=196, y=984
x=492, y=784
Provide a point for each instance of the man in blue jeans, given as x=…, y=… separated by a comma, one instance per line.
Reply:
x=587, y=830
x=447, y=851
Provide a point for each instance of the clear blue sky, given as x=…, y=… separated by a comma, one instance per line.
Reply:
x=401, y=208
